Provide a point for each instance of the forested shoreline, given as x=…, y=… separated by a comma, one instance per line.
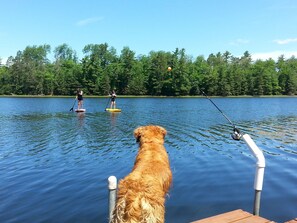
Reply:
x=101, y=69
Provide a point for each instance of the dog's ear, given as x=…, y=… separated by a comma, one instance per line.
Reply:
x=163, y=131
x=137, y=133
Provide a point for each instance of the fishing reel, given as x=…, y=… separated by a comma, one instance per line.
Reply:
x=236, y=135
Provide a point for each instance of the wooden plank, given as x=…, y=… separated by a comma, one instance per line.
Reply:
x=292, y=221
x=254, y=219
x=226, y=217
x=236, y=216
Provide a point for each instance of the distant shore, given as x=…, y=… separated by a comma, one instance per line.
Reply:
x=146, y=96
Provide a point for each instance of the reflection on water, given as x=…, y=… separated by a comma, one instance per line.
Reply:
x=81, y=117
x=54, y=163
x=113, y=118
x=278, y=136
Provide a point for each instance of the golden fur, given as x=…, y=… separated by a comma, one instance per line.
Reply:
x=141, y=194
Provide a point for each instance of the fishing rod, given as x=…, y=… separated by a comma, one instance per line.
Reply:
x=236, y=135
x=257, y=153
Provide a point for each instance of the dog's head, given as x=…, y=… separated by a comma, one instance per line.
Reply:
x=150, y=132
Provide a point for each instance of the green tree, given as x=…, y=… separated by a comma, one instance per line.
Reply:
x=265, y=77
x=28, y=69
x=127, y=62
x=138, y=80
x=210, y=79
x=5, y=86
x=287, y=75
x=180, y=73
x=158, y=74
x=199, y=69
x=292, y=80
x=98, y=58
x=64, y=79
x=222, y=65
x=243, y=72
x=64, y=52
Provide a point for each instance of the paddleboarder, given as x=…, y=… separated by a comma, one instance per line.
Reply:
x=113, y=100
x=79, y=97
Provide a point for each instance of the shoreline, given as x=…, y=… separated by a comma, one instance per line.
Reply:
x=148, y=96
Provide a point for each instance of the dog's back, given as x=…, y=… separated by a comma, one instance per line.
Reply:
x=141, y=194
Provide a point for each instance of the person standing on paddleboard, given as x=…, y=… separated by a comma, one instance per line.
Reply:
x=113, y=99
x=79, y=97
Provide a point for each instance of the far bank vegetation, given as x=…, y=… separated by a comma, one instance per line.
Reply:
x=101, y=70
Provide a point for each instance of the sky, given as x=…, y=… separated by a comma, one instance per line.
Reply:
x=264, y=28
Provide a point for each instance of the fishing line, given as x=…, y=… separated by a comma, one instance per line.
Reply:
x=236, y=135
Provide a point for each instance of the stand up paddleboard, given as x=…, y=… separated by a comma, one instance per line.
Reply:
x=80, y=110
x=113, y=109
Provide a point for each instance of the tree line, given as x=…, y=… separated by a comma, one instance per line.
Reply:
x=101, y=70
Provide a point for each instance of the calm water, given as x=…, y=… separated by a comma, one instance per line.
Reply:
x=54, y=164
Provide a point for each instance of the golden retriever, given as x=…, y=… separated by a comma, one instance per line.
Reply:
x=141, y=194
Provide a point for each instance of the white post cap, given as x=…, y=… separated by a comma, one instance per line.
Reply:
x=112, y=183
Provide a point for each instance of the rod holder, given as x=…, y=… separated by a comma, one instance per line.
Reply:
x=260, y=167
x=112, y=187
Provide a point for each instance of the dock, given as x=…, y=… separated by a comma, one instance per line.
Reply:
x=237, y=216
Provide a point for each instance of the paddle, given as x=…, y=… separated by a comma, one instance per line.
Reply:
x=71, y=109
x=107, y=104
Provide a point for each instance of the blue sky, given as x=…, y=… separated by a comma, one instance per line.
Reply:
x=265, y=28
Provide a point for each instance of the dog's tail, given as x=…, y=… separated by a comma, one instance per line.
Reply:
x=140, y=207
x=153, y=211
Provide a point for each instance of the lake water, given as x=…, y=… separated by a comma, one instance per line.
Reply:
x=54, y=163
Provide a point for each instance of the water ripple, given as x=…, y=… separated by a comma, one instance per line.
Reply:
x=54, y=163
